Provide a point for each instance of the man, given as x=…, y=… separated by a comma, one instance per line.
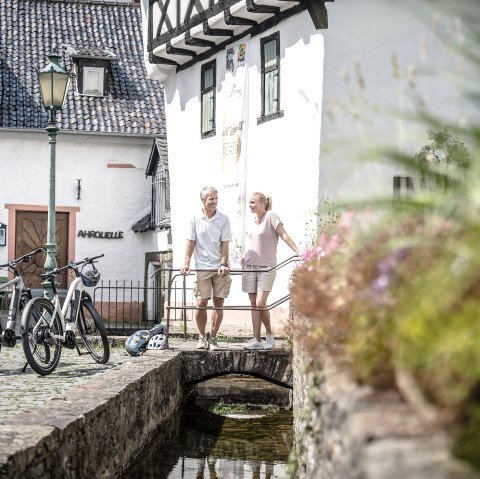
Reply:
x=208, y=240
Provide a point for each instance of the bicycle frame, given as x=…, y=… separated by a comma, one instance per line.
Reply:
x=19, y=294
x=68, y=314
x=18, y=287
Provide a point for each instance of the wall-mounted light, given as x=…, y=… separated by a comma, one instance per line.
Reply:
x=79, y=188
x=3, y=234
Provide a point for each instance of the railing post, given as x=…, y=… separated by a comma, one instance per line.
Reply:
x=184, y=304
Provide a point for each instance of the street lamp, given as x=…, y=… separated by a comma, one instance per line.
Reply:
x=53, y=80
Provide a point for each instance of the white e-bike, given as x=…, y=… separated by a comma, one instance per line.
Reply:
x=47, y=326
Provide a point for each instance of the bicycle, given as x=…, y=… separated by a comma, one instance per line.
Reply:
x=20, y=295
x=47, y=326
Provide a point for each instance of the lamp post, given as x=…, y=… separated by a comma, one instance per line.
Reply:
x=53, y=80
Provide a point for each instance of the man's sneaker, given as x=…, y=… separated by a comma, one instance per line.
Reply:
x=269, y=342
x=253, y=344
x=202, y=343
x=213, y=344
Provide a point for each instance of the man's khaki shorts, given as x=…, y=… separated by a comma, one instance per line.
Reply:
x=257, y=279
x=208, y=281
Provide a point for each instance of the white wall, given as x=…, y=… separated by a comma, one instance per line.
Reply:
x=112, y=199
x=365, y=40
x=282, y=154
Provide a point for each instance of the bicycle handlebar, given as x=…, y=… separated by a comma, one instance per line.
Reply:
x=72, y=265
x=90, y=260
x=21, y=259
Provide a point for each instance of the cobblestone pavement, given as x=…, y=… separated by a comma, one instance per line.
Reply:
x=20, y=391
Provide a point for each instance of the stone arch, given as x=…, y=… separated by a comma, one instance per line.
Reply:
x=274, y=366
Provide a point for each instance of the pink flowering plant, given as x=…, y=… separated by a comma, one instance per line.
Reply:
x=399, y=294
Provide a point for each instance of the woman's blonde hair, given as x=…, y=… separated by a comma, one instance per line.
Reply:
x=266, y=200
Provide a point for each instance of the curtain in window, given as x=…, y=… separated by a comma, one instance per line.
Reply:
x=271, y=77
x=93, y=80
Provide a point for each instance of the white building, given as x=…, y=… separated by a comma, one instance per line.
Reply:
x=110, y=126
x=261, y=96
x=241, y=79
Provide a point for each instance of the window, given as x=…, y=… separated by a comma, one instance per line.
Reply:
x=93, y=81
x=402, y=186
x=160, y=200
x=270, y=52
x=209, y=84
x=159, y=216
x=93, y=76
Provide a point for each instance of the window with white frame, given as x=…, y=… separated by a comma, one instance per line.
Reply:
x=93, y=81
x=270, y=89
x=93, y=75
x=208, y=88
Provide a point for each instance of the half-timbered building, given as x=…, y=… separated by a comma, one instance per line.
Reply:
x=285, y=96
x=243, y=89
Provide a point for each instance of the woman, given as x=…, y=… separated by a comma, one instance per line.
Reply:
x=260, y=256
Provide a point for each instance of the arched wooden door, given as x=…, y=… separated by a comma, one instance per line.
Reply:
x=31, y=233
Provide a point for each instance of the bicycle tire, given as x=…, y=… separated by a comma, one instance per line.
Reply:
x=93, y=332
x=41, y=350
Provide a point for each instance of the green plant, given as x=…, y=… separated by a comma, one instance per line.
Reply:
x=398, y=290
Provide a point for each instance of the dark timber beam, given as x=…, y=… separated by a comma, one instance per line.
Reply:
x=318, y=13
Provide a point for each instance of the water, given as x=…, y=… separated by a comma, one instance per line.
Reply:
x=197, y=444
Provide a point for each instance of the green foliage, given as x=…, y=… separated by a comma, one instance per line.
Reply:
x=444, y=148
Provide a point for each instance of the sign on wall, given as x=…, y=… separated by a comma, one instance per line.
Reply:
x=234, y=144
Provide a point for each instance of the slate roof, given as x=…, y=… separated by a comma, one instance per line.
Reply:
x=30, y=29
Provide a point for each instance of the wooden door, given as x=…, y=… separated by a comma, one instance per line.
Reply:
x=31, y=233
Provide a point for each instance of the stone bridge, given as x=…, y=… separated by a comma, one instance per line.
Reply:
x=274, y=366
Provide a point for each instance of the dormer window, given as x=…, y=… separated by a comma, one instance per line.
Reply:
x=93, y=76
x=92, y=69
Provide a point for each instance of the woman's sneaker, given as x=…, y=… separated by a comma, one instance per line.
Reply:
x=269, y=342
x=213, y=344
x=202, y=343
x=253, y=344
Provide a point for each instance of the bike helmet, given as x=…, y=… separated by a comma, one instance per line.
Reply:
x=158, y=341
x=136, y=344
x=90, y=278
x=158, y=329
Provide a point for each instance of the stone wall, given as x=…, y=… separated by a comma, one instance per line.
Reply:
x=96, y=428
x=347, y=431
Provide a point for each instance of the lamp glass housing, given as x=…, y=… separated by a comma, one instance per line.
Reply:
x=53, y=81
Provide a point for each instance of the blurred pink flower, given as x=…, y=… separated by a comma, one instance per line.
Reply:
x=346, y=220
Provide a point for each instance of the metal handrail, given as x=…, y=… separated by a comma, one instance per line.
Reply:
x=184, y=306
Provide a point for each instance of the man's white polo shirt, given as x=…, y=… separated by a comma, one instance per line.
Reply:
x=208, y=235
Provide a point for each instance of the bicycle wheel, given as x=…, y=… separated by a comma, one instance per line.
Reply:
x=39, y=324
x=93, y=332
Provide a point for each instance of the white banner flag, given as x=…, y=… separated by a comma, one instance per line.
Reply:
x=234, y=145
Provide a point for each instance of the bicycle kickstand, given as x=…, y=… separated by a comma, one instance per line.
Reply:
x=78, y=350
x=24, y=370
